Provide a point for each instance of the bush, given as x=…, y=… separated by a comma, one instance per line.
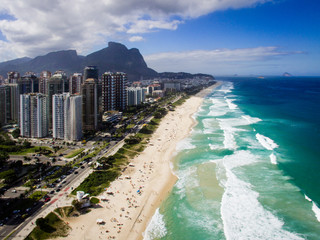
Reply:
x=94, y=200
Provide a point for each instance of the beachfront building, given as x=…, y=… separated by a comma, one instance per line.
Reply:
x=44, y=77
x=4, y=105
x=136, y=96
x=13, y=77
x=114, y=92
x=75, y=83
x=91, y=117
x=28, y=83
x=67, y=117
x=56, y=85
x=33, y=115
x=172, y=86
x=90, y=72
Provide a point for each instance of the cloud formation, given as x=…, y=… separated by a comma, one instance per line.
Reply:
x=218, y=61
x=39, y=26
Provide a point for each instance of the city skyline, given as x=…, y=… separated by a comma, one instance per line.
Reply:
x=246, y=37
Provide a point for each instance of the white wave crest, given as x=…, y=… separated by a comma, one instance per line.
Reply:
x=251, y=120
x=316, y=211
x=244, y=217
x=184, y=145
x=315, y=208
x=156, y=228
x=273, y=159
x=231, y=105
x=266, y=142
x=306, y=197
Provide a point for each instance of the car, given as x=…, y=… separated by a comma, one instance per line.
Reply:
x=52, y=192
x=58, y=190
x=47, y=199
x=82, y=167
x=75, y=172
x=14, y=191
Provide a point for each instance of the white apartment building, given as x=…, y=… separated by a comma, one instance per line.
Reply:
x=34, y=115
x=67, y=117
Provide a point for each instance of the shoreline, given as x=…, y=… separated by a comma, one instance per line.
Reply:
x=144, y=185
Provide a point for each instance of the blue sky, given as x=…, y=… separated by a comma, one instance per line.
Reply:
x=226, y=37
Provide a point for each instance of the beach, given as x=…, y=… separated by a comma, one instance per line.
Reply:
x=132, y=199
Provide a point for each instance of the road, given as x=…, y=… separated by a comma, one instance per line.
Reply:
x=59, y=199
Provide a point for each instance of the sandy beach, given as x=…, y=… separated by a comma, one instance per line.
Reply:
x=144, y=184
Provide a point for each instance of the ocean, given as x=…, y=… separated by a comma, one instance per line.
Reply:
x=250, y=168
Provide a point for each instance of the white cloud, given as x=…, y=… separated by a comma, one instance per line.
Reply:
x=218, y=61
x=39, y=26
x=136, y=39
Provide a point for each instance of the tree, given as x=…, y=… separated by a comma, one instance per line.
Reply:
x=16, y=133
x=94, y=200
x=76, y=204
x=3, y=158
x=26, y=144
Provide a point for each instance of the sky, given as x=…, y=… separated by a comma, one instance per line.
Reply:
x=218, y=37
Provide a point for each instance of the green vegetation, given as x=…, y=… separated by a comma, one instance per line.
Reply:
x=95, y=183
x=37, y=195
x=74, y=153
x=8, y=176
x=49, y=227
x=94, y=200
x=65, y=211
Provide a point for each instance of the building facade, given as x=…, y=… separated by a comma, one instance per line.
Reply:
x=114, y=91
x=75, y=83
x=136, y=96
x=67, y=117
x=90, y=105
x=44, y=78
x=90, y=72
x=34, y=115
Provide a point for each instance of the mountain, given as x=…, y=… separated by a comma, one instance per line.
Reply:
x=116, y=58
x=286, y=74
x=184, y=75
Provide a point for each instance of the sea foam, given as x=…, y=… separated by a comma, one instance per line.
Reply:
x=156, y=228
x=273, y=159
x=266, y=142
x=242, y=214
x=244, y=217
x=231, y=105
x=185, y=144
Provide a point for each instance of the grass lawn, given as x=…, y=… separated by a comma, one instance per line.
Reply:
x=55, y=228
x=74, y=153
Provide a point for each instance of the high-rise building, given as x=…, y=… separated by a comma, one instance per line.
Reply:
x=4, y=104
x=75, y=83
x=114, y=92
x=44, y=77
x=14, y=101
x=28, y=83
x=13, y=77
x=67, y=116
x=73, y=118
x=90, y=72
x=58, y=116
x=55, y=85
x=136, y=96
x=33, y=115
x=91, y=116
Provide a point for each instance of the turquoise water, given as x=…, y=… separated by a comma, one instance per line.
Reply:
x=250, y=168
